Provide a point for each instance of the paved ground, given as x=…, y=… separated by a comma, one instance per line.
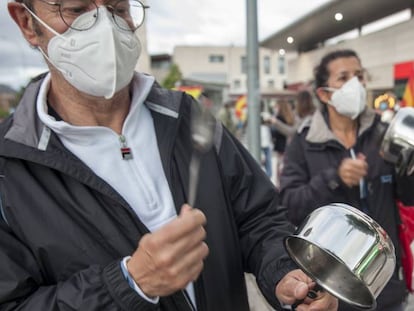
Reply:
x=256, y=299
x=410, y=303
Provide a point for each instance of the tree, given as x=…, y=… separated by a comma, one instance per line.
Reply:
x=3, y=114
x=17, y=97
x=173, y=77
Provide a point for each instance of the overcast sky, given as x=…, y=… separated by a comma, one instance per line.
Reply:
x=169, y=23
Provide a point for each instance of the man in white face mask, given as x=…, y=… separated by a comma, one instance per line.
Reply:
x=336, y=158
x=98, y=52
x=94, y=185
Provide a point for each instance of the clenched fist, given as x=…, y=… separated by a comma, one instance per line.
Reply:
x=295, y=286
x=171, y=257
x=352, y=170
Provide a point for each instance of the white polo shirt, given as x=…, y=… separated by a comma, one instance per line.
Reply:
x=140, y=180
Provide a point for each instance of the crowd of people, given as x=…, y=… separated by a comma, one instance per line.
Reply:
x=95, y=166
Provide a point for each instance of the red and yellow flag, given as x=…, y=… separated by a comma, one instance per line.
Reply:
x=240, y=108
x=408, y=96
x=194, y=91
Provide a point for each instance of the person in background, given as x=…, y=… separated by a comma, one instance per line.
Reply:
x=304, y=107
x=387, y=106
x=285, y=114
x=266, y=142
x=94, y=185
x=335, y=158
x=227, y=117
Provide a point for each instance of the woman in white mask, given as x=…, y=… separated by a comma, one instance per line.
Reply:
x=335, y=158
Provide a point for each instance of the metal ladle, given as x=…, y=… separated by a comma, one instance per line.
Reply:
x=202, y=133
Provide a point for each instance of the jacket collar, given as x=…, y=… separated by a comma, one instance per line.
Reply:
x=29, y=130
x=320, y=132
x=27, y=127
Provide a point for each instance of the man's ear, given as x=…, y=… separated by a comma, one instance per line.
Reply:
x=23, y=19
x=322, y=94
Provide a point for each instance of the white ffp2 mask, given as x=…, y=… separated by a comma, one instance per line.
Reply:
x=99, y=61
x=350, y=99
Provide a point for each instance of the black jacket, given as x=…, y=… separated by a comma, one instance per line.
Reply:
x=310, y=180
x=279, y=139
x=63, y=230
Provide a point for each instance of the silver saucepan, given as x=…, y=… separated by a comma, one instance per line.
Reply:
x=398, y=139
x=345, y=252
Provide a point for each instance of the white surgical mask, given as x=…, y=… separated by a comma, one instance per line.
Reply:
x=350, y=99
x=99, y=61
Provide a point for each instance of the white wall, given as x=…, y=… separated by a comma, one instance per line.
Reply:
x=194, y=61
x=378, y=51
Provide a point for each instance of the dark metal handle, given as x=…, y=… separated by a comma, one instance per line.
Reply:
x=313, y=293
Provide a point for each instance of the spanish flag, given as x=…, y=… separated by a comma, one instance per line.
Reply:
x=240, y=108
x=408, y=96
x=193, y=90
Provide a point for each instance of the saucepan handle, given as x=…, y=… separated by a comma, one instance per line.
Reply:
x=313, y=293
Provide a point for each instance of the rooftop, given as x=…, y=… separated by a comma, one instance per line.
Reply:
x=313, y=29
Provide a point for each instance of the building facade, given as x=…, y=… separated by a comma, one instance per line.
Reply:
x=282, y=74
x=227, y=65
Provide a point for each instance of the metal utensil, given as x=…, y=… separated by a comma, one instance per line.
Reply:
x=202, y=132
x=312, y=294
x=345, y=252
x=362, y=187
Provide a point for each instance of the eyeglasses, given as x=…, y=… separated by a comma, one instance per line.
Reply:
x=127, y=14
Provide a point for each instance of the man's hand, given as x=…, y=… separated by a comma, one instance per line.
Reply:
x=170, y=258
x=352, y=170
x=295, y=286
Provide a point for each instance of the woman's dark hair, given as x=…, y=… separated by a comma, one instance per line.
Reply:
x=321, y=72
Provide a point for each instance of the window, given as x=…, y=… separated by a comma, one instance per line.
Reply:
x=243, y=64
x=236, y=84
x=165, y=64
x=266, y=64
x=216, y=58
x=281, y=64
x=271, y=84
